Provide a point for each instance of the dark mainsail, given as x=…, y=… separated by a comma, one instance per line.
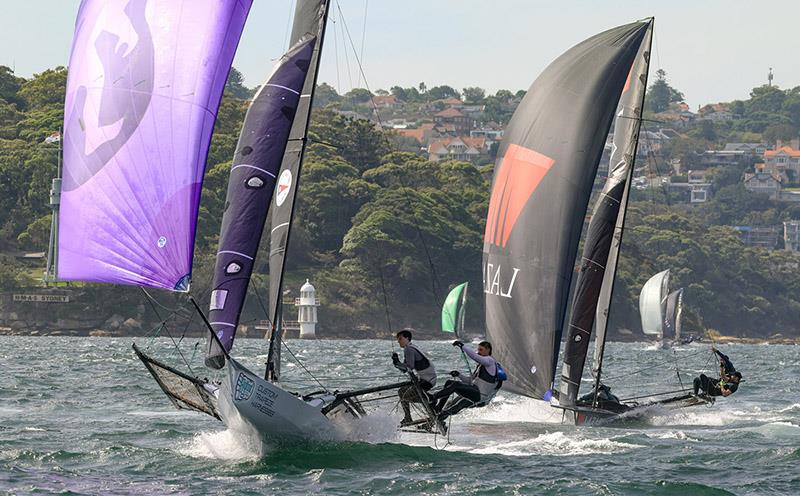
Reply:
x=594, y=283
x=310, y=17
x=250, y=188
x=541, y=187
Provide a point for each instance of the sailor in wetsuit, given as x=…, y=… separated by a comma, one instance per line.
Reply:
x=417, y=362
x=726, y=385
x=477, y=389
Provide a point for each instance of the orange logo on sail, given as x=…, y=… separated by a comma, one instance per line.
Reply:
x=521, y=171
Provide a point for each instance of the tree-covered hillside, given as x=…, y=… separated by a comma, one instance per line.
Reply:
x=384, y=234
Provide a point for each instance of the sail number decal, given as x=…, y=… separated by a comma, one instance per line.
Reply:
x=497, y=283
x=284, y=187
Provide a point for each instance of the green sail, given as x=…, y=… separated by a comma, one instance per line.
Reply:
x=453, y=309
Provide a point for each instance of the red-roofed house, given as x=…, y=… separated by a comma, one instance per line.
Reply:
x=462, y=124
x=422, y=134
x=784, y=161
x=386, y=101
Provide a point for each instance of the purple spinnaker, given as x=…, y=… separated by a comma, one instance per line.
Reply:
x=145, y=81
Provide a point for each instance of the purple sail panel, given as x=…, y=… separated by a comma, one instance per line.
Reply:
x=145, y=82
x=261, y=146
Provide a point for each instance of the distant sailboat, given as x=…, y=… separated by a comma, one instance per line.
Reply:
x=661, y=310
x=543, y=180
x=653, y=305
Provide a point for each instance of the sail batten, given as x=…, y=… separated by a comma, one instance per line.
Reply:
x=541, y=188
x=145, y=81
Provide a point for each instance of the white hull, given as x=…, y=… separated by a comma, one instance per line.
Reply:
x=249, y=403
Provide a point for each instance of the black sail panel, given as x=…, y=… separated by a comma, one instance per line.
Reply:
x=541, y=187
x=601, y=248
x=310, y=17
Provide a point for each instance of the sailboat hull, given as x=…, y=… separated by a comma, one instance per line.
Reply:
x=249, y=403
x=588, y=416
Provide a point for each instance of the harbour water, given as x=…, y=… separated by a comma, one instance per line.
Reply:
x=83, y=416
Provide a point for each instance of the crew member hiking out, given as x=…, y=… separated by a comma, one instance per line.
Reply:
x=477, y=389
x=726, y=385
x=416, y=361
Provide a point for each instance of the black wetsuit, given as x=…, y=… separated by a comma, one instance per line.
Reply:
x=712, y=386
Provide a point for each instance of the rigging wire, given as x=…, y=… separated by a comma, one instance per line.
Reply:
x=166, y=328
x=434, y=277
x=363, y=33
x=283, y=342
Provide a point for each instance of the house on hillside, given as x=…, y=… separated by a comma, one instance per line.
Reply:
x=386, y=101
x=715, y=112
x=791, y=235
x=762, y=181
x=423, y=133
x=458, y=148
x=784, y=161
x=759, y=236
x=462, y=123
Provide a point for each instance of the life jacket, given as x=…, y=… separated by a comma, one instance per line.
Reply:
x=488, y=384
x=424, y=368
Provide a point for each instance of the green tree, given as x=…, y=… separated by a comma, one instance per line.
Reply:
x=474, y=94
x=235, y=87
x=45, y=89
x=661, y=94
x=358, y=95
x=442, y=92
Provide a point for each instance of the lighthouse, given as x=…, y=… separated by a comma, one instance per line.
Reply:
x=307, y=311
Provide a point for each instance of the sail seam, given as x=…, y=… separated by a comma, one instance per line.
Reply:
x=278, y=227
x=223, y=323
x=578, y=328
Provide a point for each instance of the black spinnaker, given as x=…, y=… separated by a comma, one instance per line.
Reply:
x=542, y=183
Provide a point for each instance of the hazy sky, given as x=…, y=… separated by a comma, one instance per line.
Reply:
x=712, y=50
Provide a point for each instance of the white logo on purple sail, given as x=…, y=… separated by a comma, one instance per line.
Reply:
x=244, y=388
x=284, y=187
x=162, y=242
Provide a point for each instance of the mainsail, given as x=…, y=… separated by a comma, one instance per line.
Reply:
x=144, y=85
x=453, y=309
x=594, y=284
x=310, y=18
x=672, y=316
x=541, y=188
x=652, y=303
x=262, y=143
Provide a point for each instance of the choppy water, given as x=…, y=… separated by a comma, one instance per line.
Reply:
x=82, y=416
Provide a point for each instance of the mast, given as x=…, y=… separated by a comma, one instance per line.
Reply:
x=609, y=213
x=310, y=16
x=542, y=183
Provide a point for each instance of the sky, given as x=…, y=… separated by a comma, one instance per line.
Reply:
x=712, y=50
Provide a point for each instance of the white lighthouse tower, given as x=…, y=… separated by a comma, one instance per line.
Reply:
x=307, y=311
